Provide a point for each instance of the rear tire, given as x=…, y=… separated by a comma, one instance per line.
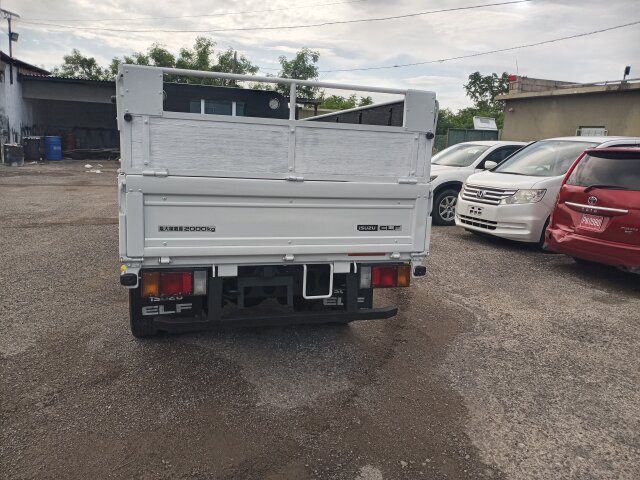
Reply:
x=141, y=327
x=444, y=207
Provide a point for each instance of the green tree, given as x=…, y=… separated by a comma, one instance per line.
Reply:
x=157, y=55
x=338, y=102
x=230, y=61
x=302, y=66
x=483, y=89
x=201, y=57
x=364, y=101
x=76, y=65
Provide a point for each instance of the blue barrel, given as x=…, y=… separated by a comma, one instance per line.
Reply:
x=53, y=148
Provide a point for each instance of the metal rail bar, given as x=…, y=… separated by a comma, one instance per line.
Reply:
x=355, y=109
x=289, y=81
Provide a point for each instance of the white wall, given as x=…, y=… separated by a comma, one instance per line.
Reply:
x=15, y=114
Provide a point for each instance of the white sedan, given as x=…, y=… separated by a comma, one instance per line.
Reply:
x=451, y=167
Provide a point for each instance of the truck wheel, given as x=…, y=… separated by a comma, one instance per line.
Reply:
x=444, y=207
x=141, y=327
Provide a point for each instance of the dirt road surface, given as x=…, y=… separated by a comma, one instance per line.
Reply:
x=503, y=363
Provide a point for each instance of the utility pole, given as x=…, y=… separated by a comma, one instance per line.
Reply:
x=13, y=37
x=233, y=68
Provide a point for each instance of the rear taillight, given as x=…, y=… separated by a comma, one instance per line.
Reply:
x=167, y=284
x=151, y=284
x=389, y=276
x=404, y=275
x=175, y=283
x=384, y=277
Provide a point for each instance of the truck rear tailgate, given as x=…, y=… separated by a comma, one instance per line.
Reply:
x=213, y=217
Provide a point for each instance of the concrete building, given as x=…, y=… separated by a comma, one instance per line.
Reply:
x=36, y=104
x=15, y=115
x=536, y=109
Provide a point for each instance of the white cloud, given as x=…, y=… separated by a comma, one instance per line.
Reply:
x=414, y=39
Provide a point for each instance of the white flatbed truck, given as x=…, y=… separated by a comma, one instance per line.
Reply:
x=238, y=220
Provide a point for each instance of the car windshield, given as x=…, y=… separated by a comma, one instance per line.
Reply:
x=460, y=155
x=547, y=158
x=611, y=170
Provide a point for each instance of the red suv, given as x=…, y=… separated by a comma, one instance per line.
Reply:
x=597, y=214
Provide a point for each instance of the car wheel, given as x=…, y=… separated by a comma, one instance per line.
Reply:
x=444, y=207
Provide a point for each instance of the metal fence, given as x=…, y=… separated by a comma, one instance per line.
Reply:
x=459, y=135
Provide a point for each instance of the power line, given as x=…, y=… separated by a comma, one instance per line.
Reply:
x=286, y=27
x=222, y=14
x=489, y=52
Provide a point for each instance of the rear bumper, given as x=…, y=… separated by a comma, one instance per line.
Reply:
x=624, y=256
x=179, y=325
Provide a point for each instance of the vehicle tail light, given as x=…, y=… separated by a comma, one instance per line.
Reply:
x=404, y=275
x=161, y=284
x=200, y=282
x=150, y=284
x=365, y=277
x=384, y=276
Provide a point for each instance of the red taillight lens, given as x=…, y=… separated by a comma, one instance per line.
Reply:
x=176, y=283
x=164, y=284
x=391, y=276
x=384, y=277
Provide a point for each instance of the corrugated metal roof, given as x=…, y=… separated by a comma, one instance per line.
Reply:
x=20, y=64
x=51, y=78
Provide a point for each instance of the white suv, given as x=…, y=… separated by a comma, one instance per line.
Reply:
x=451, y=167
x=514, y=200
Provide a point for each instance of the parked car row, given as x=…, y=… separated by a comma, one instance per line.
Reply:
x=548, y=192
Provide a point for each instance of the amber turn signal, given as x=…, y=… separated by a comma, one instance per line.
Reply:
x=404, y=275
x=151, y=284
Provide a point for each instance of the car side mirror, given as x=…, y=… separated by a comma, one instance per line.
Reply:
x=489, y=164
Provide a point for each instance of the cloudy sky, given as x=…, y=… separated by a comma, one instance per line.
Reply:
x=356, y=45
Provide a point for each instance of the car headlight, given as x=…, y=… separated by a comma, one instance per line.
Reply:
x=524, y=196
x=433, y=177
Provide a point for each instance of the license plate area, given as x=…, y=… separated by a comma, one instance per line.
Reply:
x=475, y=211
x=591, y=222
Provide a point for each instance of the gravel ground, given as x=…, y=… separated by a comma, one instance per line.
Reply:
x=503, y=363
